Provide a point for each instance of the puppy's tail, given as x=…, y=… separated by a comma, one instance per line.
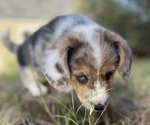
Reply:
x=9, y=43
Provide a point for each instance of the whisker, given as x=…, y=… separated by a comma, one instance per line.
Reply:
x=79, y=108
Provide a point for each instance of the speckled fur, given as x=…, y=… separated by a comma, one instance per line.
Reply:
x=71, y=45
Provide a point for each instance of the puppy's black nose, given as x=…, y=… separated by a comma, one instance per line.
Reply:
x=99, y=107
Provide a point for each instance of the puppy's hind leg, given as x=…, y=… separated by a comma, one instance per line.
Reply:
x=30, y=83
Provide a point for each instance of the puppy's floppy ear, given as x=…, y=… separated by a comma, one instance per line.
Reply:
x=124, y=51
x=56, y=63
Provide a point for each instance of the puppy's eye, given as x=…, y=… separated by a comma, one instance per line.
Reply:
x=108, y=75
x=82, y=79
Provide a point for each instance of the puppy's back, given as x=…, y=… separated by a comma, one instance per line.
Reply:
x=33, y=47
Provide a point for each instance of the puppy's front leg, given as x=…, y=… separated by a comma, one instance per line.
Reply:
x=30, y=82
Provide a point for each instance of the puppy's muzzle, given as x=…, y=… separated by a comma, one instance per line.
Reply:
x=100, y=107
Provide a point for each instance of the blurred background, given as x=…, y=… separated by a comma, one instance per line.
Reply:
x=129, y=18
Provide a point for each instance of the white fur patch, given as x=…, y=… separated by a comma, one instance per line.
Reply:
x=99, y=95
x=51, y=58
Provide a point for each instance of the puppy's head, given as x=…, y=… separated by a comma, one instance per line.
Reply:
x=87, y=60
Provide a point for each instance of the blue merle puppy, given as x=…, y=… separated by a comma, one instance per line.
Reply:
x=72, y=51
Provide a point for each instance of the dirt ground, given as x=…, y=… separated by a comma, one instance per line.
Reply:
x=30, y=110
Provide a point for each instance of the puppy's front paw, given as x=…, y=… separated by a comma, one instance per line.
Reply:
x=43, y=89
x=38, y=90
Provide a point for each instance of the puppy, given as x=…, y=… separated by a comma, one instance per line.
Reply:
x=73, y=51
